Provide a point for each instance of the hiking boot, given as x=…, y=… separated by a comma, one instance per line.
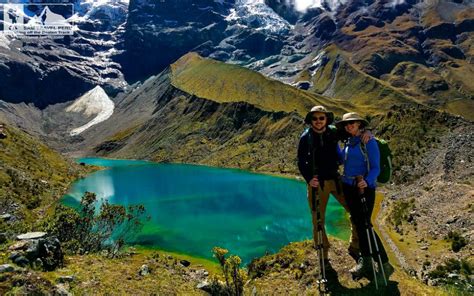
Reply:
x=362, y=269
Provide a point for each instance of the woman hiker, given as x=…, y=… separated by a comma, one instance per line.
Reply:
x=361, y=168
x=320, y=143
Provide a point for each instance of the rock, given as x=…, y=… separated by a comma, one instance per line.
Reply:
x=433, y=282
x=452, y=219
x=6, y=268
x=424, y=248
x=13, y=256
x=205, y=286
x=21, y=261
x=61, y=290
x=453, y=276
x=41, y=253
x=32, y=252
x=5, y=217
x=144, y=270
x=66, y=279
x=31, y=235
x=50, y=253
x=18, y=246
x=3, y=237
x=185, y=263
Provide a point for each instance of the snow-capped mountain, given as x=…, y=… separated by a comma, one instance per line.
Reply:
x=46, y=70
x=118, y=43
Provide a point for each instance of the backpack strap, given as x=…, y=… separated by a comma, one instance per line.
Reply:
x=363, y=149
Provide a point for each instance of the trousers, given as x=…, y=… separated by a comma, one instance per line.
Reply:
x=330, y=187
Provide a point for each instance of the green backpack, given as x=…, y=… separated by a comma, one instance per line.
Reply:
x=385, y=160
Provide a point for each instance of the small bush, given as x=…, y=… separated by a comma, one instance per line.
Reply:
x=234, y=276
x=401, y=211
x=83, y=231
x=457, y=241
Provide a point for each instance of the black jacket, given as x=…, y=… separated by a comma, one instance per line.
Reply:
x=326, y=151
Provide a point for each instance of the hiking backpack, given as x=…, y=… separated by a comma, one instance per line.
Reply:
x=385, y=160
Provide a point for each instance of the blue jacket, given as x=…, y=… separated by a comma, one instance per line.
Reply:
x=355, y=162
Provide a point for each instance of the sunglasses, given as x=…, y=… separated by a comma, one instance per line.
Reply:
x=350, y=122
x=320, y=118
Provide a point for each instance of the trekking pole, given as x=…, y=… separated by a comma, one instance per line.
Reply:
x=370, y=230
x=319, y=247
x=315, y=201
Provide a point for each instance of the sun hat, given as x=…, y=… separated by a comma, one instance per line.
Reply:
x=351, y=116
x=320, y=109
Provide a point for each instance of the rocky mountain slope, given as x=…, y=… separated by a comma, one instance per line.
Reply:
x=50, y=70
x=408, y=48
x=359, y=50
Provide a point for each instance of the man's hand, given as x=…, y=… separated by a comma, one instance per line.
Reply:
x=366, y=136
x=314, y=182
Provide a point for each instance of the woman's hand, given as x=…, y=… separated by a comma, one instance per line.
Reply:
x=362, y=184
x=314, y=182
x=366, y=136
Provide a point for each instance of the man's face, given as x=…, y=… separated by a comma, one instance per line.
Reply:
x=318, y=121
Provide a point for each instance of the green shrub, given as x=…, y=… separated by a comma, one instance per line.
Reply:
x=234, y=276
x=401, y=211
x=84, y=231
x=457, y=241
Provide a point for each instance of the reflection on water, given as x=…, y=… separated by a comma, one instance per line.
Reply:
x=194, y=208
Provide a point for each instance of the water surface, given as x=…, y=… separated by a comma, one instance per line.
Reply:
x=194, y=208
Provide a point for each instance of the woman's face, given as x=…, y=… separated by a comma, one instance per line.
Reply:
x=352, y=127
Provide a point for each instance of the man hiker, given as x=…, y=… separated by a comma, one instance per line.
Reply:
x=319, y=157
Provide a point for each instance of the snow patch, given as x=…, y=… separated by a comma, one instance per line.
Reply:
x=4, y=41
x=257, y=15
x=93, y=102
x=317, y=61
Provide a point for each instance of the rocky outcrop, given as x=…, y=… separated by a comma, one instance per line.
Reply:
x=37, y=251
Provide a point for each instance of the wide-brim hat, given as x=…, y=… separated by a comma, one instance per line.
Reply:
x=351, y=116
x=320, y=109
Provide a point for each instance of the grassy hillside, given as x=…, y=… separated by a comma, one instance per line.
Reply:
x=354, y=89
x=32, y=178
x=224, y=83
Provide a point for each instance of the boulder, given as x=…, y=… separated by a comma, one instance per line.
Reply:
x=5, y=217
x=144, y=270
x=44, y=253
x=31, y=235
x=21, y=261
x=185, y=263
x=205, y=286
x=6, y=268
x=50, y=253
x=22, y=245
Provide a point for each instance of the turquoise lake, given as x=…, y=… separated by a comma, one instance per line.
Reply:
x=194, y=208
